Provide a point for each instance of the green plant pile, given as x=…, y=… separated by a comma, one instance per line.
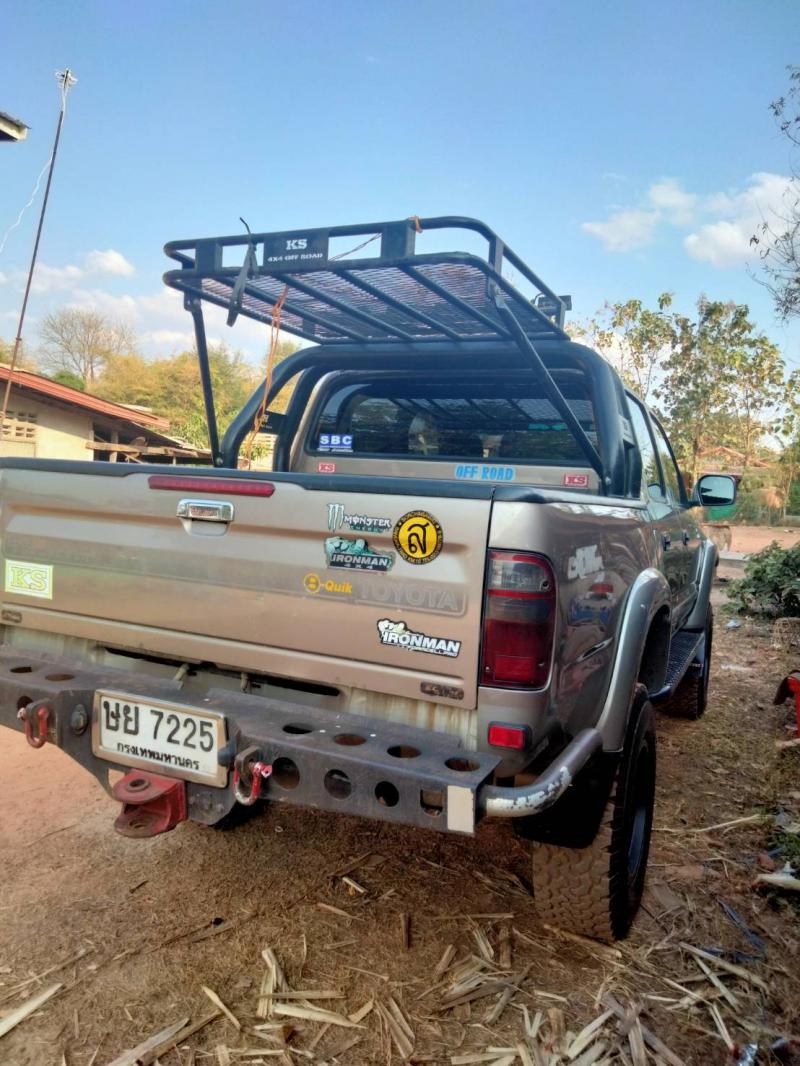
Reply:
x=771, y=583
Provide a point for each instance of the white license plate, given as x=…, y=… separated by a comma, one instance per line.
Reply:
x=168, y=738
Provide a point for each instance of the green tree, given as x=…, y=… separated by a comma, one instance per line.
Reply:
x=69, y=377
x=778, y=238
x=721, y=382
x=634, y=339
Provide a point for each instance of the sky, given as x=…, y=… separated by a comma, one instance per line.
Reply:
x=622, y=149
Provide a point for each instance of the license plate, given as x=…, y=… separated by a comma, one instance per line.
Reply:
x=171, y=739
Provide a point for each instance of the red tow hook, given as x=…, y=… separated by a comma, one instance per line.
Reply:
x=259, y=772
x=150, y=804
x=40, y=712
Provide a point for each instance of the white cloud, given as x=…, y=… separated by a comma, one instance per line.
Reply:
x=725, y=221
x=625, y=231
x=109, y=262
x=726, y=243
x=677, y=204
x=49, y=279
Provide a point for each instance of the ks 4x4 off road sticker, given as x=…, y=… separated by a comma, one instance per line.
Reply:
x=356, y=555
x=418, y=537
x=400, y=636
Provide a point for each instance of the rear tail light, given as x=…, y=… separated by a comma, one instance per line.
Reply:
x=518, y=620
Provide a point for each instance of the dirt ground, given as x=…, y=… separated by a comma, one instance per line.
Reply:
x=157, y=920
x=754, y=538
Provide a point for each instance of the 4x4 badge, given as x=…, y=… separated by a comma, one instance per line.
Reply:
x=356, y=555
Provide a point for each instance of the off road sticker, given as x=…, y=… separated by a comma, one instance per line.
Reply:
x=356, y=555
x=29, y=579
x=315, y=584
x=398, y=635
x=359, y=523
x=484, y=472
x=418, y=537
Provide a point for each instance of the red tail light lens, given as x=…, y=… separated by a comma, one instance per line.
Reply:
x=518, y=620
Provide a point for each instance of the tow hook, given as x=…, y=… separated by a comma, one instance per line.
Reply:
x=39, y=712
x=250, y=766
x=150, y=804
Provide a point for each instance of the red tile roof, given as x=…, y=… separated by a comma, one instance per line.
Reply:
x=65, y=394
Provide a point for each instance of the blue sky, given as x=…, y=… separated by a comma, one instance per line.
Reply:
x=622, y=149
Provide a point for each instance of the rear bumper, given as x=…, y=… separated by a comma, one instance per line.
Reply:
x=347, y=763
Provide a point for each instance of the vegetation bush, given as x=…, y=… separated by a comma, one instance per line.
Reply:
x=771, y=583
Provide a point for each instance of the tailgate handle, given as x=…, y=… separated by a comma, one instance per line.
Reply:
x=206, y=510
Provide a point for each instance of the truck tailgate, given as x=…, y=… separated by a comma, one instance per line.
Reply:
x=372, y=590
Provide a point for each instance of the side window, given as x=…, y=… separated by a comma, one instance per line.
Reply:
x=651, y=475
x=671, y=476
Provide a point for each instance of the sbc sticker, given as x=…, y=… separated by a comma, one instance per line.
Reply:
x=29, y=579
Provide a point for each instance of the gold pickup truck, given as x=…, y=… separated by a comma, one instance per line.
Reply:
x=472, y=568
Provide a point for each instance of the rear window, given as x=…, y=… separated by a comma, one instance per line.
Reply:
x=453, y=418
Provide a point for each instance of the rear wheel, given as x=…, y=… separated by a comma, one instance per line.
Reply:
x=690, y=698
x=596, y=891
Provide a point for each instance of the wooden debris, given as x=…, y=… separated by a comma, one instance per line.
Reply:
x=307, y=994
x=223, y=1055
x=133, y=1055
x=400, y=1032
x=780, y=880
x=722, y=1029
x=212, y=995
x=723, y=964
x=338, y=911
x=724, y=992
x=354, y=886
x=485, y=949
x=405, y=931
x=504, y=957
x=272, y=981
x=14, y=990
x=314, y=1014
x=319, y=1035
x=223, y=927
x=587, y=1034
x=604, y=950
x=592, y=1054
x=360, y=1014
x=146, y=1059
x=653, y=1042
x=783, y=744
x=749, y=819
x=29, y=1007
x=444, y=962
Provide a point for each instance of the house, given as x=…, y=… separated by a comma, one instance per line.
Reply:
x=48, y=420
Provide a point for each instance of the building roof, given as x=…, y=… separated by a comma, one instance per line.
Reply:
x=11, y=129
x=66, y=395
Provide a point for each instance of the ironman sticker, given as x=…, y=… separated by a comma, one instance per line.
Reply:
x=418, y=537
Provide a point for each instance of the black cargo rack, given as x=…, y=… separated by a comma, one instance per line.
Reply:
x=396, y=295
x=377, y=303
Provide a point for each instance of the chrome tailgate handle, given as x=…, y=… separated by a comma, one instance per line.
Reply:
x=206, y=510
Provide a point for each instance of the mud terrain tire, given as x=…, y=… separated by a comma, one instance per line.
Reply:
x=596, y=891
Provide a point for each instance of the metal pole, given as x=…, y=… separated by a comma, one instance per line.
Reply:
x=66, y=80
x=196, y=309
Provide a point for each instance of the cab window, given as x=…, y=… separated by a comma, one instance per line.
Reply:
x=671, y=476
x=652, y=482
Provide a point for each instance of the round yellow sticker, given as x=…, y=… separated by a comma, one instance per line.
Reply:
x=418, y=537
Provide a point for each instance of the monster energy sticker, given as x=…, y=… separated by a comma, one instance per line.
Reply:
x=359, y=523
x=400, y=636
x=356, y=555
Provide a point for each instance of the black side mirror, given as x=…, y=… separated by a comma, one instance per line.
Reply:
x=714, y=490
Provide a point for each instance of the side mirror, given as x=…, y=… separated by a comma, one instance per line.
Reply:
x=714, y=490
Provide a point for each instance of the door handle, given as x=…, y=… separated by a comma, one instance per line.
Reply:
x=666, y=540
x=206, y=510
x=685, y=537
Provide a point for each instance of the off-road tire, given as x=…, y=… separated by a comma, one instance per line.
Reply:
x=596, y=891
x=690, y=698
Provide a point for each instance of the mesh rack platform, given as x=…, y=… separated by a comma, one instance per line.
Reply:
x=396, y=295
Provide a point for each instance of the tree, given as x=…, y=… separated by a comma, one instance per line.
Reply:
x=778, y=239
x=634, y=339
x=69, y=377
x=721, y=383
x=83, y=342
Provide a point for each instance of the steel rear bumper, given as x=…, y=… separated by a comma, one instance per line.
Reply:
x=348, y=763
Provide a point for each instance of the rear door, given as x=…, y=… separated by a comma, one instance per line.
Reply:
x=345, y=588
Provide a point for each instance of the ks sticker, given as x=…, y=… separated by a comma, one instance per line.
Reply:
x=29, y=579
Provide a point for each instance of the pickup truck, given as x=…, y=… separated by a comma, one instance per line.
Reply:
x=470, y=573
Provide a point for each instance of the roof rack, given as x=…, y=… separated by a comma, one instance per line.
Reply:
x=396, y=295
